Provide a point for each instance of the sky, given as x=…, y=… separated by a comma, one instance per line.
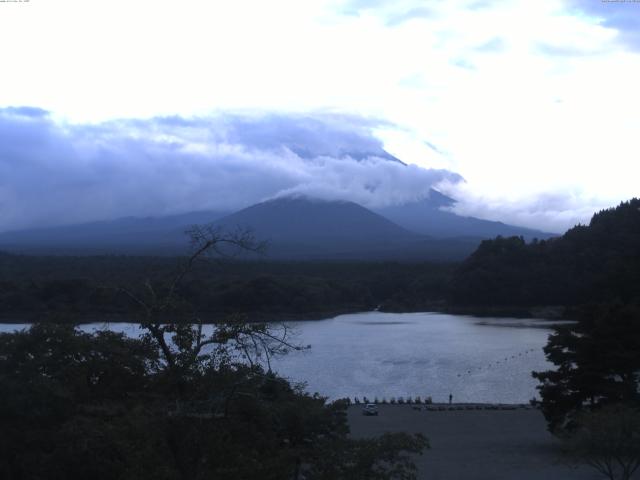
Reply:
x=523, y=111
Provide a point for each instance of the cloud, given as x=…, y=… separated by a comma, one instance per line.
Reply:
x=550, y=211
x=410, y=14
x=33, y=112
x=58, y=173
x=308, y=136
x=394, y=12
x=495, y=45
x=620, y=15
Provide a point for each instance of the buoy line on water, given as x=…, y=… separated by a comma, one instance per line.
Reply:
x=496, y=363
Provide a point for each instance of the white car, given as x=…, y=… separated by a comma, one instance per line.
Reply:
x=370, y=409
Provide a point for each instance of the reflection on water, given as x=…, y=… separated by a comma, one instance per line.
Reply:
x=378, y=354
x=381, y=323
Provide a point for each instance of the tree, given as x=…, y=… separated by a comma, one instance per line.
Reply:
x=181, y=402
x=598, y=363
x=608, y=440
x=599, y=262
x=67, y=398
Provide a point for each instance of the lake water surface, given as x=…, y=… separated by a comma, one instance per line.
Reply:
x=377, y=354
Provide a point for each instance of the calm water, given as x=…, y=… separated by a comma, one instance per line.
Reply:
x=428, y=354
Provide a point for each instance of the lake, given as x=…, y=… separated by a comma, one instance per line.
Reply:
x=377, y=354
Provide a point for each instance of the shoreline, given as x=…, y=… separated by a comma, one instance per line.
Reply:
x=550, y=313
x=541, y=312
x=454, y=406
x=210, y=318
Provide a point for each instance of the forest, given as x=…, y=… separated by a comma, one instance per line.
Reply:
x=598, y=262
x=72, y=288
x=594, y=263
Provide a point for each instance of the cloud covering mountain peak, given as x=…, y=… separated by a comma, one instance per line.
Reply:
x=54, y=172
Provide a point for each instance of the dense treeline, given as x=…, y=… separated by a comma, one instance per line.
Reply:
x=595, y=263
x=103, y=406
x=68, y=288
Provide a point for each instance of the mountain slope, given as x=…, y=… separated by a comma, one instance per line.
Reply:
x=427, y=218
x=299, y=228
x=295, y=228
x=307, y=228
x=303, y=228
x=123, y=235
x=310, y=220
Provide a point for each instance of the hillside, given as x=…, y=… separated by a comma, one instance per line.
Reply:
x=427, y=217
x=597, y=262
x=133, y=235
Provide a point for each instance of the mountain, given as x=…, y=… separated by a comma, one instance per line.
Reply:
x=294, y=227
x=304, y=228
x=427, y=217
x=123, y=235
x=301, y=219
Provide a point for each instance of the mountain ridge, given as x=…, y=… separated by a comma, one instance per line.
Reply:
x=428, y=216
x=297, y=227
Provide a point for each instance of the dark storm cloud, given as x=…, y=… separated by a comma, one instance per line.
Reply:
x=56, y=173
x=623, y=16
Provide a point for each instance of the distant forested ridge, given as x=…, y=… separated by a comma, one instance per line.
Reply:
x=79, y=288
x=595, y=263
x=599, y=262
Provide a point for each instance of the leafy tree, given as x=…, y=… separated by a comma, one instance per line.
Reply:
x=65, y=396
x=598, y=363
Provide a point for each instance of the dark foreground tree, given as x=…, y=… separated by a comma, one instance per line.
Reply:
x=608, y=440
x=597, y=363
x=103, y=406
x=183, y=401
